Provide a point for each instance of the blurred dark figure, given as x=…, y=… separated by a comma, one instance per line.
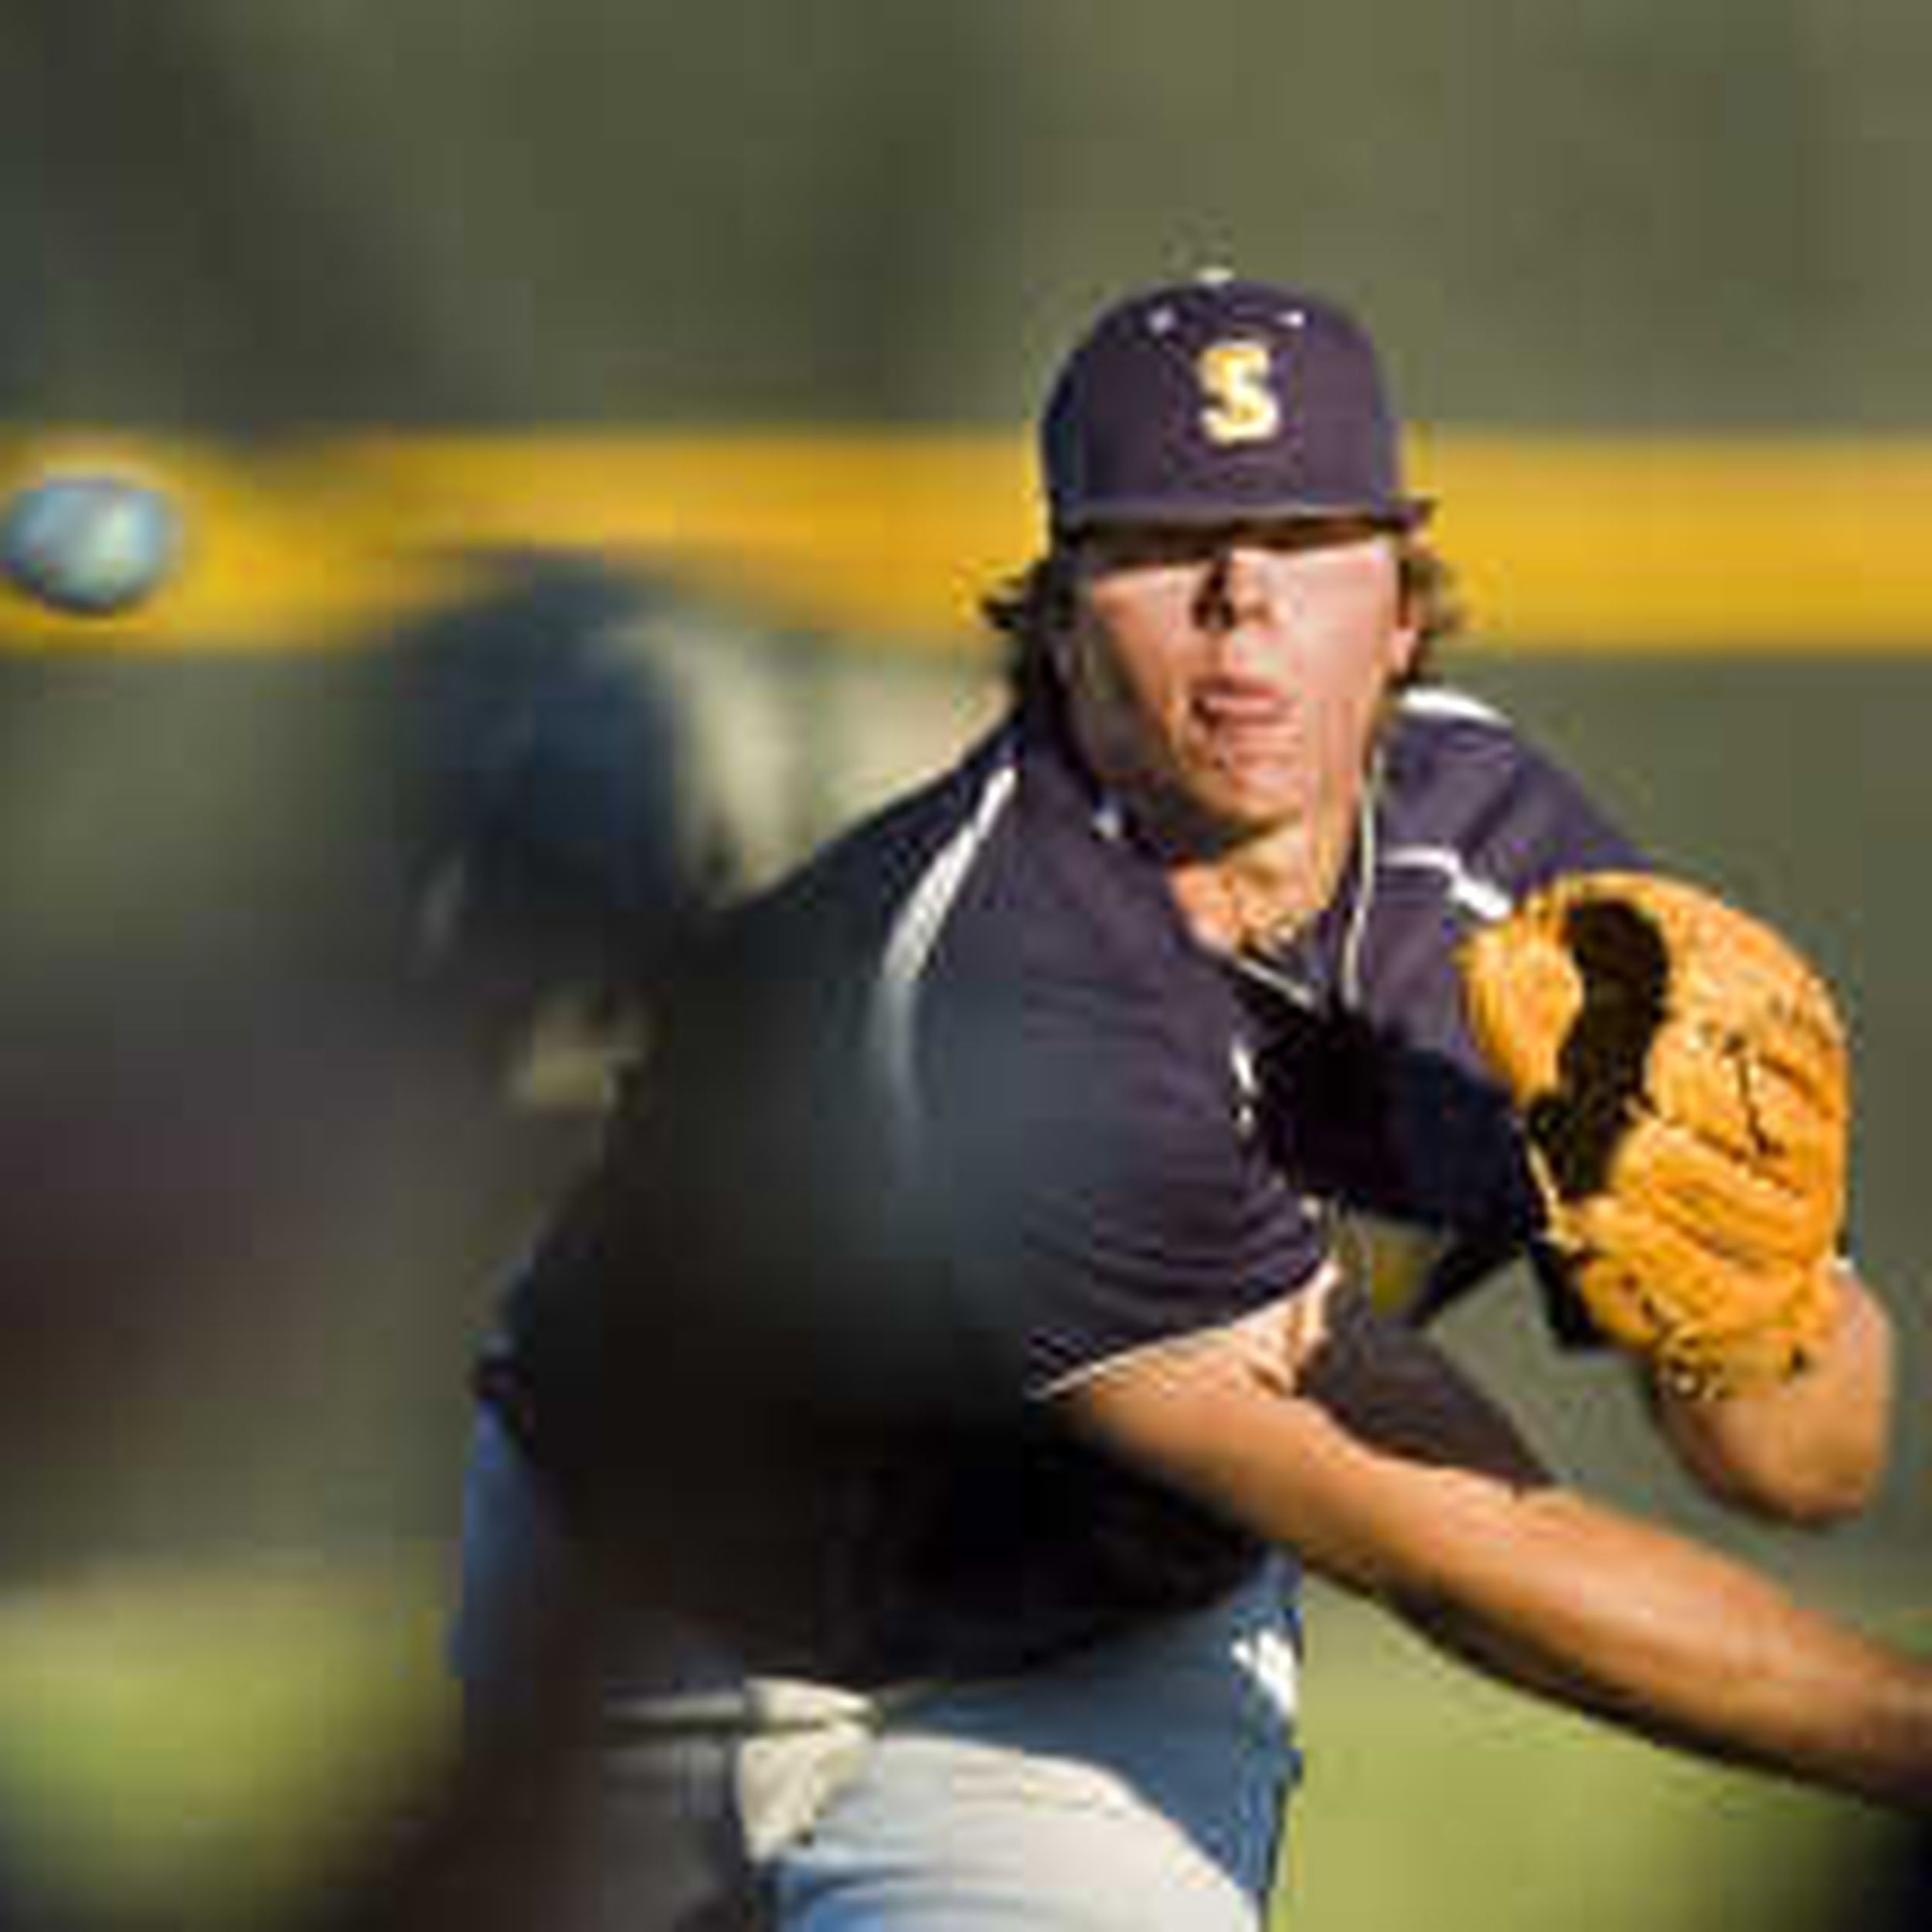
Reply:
x=561, y=835
x=566, y=841
x=496, y=820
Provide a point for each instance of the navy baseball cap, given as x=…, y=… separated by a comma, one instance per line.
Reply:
x=1218, y=399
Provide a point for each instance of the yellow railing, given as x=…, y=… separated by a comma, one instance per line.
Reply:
x=1563, y=542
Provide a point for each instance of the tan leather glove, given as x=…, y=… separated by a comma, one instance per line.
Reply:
x=1681, y=1077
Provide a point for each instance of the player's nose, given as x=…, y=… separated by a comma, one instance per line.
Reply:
x=1240, y=588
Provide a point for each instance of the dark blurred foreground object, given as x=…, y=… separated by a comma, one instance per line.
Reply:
x=563, y=832
x=243, y=983
x=260, y=1166
x=560, y=832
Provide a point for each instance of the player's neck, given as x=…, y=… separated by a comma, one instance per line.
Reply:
x=1260, y=894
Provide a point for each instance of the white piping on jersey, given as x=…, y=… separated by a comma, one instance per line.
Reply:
x=909, y=947
x=1259, y=1323
x=1483, y=898
x=1366, y=840
x=1258, y=965
x=1444, y=701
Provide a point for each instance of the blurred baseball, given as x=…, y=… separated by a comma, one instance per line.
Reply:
x=91, y=545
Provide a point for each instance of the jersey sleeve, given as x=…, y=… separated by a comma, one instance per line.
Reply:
x=1475, y=817
x=1107, y=1189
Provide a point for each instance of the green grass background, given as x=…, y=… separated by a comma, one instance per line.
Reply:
x=198, y=1746
x=203, y=1747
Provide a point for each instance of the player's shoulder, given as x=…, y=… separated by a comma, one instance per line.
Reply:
x=1462, y=777
x=1441, y=732
x=858, y=876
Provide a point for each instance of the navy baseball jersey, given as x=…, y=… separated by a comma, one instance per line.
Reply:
x=962, y=1113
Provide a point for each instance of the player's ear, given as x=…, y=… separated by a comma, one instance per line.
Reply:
x=1406, y=630
x=1405, y=644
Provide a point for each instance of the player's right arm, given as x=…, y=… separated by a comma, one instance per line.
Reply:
x=1359, y=1446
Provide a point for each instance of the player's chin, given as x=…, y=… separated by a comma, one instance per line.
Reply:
x=1248, y=797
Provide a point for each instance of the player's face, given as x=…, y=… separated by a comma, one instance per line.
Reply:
x=1231, y=679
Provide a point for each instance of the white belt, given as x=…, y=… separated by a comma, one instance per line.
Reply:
x=795, y=1742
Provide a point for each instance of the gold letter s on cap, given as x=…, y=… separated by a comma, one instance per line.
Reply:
x=1237, y=380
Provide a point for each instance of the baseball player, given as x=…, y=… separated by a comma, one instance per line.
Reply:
x=966, y=1337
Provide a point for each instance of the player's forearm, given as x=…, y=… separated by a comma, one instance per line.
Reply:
x=1388, y=1472
x=1616, y=1617
x=1810, y=1450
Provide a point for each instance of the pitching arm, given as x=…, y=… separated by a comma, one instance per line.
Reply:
x=1359, y=1446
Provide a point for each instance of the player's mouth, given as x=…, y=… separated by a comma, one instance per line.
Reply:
x=1239, y=726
